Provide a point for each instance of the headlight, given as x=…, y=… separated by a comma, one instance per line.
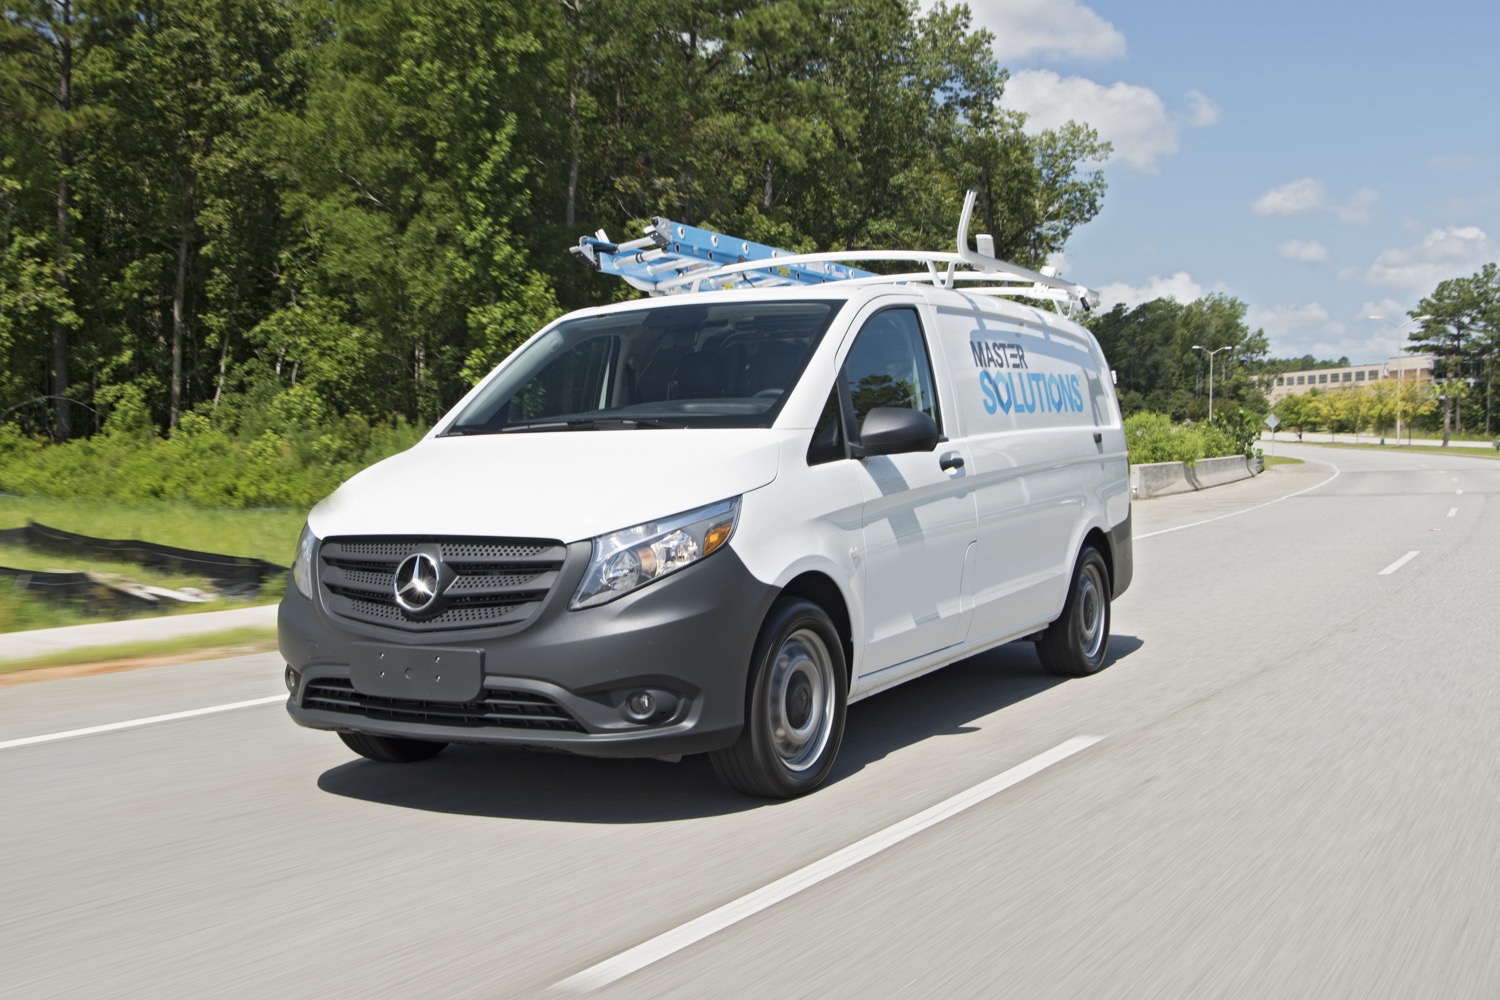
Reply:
x=633, y=557
x=302, y=562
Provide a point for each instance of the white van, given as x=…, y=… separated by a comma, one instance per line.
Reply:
x=709, y=521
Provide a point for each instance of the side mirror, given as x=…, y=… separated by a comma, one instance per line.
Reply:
x=894, y=430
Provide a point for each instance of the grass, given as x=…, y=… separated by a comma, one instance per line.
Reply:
x=262, y=533
x=1408, y=449
x=1280, y=460
x=20, y=611
x=268, y=534
x=239, y=639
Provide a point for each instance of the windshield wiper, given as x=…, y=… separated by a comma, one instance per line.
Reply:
x=593, y=423
x=575, y=424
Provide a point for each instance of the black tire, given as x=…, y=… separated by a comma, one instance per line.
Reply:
x=1075, y=644
x=391, y=749
x=794, y=712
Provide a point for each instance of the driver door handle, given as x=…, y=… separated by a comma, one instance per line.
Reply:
x=951, y=462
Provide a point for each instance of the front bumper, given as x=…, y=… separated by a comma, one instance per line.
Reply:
x=561, y=681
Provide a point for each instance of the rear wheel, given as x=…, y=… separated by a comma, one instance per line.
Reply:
x=391, y=749
x=794, y=718
x=1075, y=644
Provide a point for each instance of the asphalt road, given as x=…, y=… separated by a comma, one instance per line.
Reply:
x=1293, y=794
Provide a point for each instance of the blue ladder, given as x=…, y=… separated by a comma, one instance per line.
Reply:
x=672, y=251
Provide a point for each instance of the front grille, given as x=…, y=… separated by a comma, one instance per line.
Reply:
x=494, y=710
x=491, y=581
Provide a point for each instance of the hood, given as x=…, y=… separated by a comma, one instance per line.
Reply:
x=565, y=485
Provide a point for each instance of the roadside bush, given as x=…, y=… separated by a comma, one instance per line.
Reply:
x=1238, y=428
x=1152, y=437
x=294, y=458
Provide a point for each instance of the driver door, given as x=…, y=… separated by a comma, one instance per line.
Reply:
x=919, y=520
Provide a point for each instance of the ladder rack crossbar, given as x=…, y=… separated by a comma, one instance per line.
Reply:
x=674, y=257
x=931, y=258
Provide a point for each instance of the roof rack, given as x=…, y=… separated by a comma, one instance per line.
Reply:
x=673, y=257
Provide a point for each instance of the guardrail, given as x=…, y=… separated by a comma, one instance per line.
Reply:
x=1158, y=479
x=232, y=576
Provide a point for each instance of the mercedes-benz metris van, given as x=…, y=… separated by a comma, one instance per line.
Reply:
x=709, y=522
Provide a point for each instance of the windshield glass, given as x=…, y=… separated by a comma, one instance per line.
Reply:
x=698, y=365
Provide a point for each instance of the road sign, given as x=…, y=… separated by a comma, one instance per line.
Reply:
x=1272, y=422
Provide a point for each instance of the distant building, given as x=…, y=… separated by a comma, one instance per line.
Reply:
x=1407, y=368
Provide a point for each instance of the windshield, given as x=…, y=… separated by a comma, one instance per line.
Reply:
x=698, y=365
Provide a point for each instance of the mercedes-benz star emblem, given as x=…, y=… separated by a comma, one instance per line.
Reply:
x=417, y=583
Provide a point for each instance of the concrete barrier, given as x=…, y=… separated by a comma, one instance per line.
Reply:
x=1160, y=479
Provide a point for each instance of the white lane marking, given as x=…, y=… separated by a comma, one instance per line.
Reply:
x=696, y=930
x=1453, y=512
x=1397, y=564
x=134, y=723
x=1237, y=513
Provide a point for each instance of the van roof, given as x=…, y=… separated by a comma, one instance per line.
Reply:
x=940, y=296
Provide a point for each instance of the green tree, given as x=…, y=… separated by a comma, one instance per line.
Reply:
x=188, y=86
x=401, y=174
x=1152, y=349
x=1297, y=411
x=1381, y=405
x=210, y=209
x=1459, y=329
x=820, y=124
x=44, y=45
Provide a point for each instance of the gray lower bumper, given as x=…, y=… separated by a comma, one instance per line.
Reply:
x=686, y=639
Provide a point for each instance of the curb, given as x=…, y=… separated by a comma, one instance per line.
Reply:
x=47, y=641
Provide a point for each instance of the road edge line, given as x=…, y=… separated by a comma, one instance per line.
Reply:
x=136, y=723
x=1237, y=513
x=695, y=930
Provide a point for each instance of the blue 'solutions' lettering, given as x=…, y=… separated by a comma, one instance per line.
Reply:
x=1013, y=388
x=1030, y=392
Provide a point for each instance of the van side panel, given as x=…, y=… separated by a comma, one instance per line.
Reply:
x=1030, y=399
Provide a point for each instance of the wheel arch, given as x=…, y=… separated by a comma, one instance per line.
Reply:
x=820, y=589
x=1099, y=540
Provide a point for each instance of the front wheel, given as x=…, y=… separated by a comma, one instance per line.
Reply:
x=794, y=718
x=391, y=749
x=1075, y=644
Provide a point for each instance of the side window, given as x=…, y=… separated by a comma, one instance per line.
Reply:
x=888, y=366
x=828, y=438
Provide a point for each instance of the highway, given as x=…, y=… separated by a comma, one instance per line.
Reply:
x=1288, y=788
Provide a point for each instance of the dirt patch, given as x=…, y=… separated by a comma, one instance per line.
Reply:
x=131, y=663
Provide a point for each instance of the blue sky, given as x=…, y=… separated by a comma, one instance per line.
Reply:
x=1321, y=162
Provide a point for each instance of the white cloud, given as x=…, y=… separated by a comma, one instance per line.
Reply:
x=1307, y=195
x=1050, y=29
x=1306, y=251
x=1388, y=325
x=1358, y=207
x=1451, y=252
x=1385, y=310
x=1297, y=197
x=1179, y=286
x=1133, y=119
x=1298, y=328
x=1455, y=163
x=1201, y=110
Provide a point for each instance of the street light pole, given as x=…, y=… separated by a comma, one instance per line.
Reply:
x=1401, y=371
x=1211, y=354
